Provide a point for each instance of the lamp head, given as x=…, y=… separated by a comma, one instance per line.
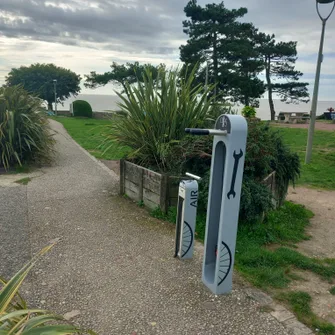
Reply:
x=55, y=80
x=325, y=1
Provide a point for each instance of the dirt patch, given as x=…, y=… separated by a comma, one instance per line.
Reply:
x=321, y=245
x=323, y=302
x=318, y=126
x=322, y=228
x=112, y=165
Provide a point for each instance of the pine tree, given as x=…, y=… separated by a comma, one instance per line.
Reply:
x=281, y=76
x=227, y=47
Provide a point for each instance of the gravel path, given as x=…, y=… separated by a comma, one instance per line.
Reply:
x=113, y=267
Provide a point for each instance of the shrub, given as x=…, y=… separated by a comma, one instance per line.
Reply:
x=16, y=318
x=24, y=130
x=266, y=152
x=249, y=112
x=156, y=113
x=82, y=108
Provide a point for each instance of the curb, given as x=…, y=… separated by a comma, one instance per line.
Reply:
x=279, y=312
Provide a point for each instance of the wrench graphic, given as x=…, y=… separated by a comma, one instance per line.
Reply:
x=237, y=158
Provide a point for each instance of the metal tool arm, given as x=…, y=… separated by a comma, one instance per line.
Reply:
x=201, y=132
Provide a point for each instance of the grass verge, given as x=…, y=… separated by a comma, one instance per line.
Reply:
x=300, y=304
x=319, y=173
x=91, y=134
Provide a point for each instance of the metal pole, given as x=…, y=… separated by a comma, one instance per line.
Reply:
x=55, y=85
x=317, y=80
x=206, y=81
x=315, y=97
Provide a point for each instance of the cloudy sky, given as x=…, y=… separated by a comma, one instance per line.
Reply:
x=89, y=35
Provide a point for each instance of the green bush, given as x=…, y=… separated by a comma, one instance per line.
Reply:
x=249, y=112
x=82, y=108
x=24, y=130
x=266, y=152
x=156, y=113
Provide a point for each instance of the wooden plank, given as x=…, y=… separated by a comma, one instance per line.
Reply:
x=130, y=186
x=140, y=186
x=149, y=204
x=151, y=184
x=164, y=201
x=132, y=172
x=131, y=195
x=153, y=197
x=122, y=176
x=153, y=176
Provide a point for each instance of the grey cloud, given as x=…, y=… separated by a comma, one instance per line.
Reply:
x=134, y=25
x=146, y=26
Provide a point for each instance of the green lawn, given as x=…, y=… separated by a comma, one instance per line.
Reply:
x=320, y=173
x=90, y=134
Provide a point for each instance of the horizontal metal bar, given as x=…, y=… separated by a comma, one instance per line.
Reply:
x=193, y=176
x=218, y=132
x=196, y=131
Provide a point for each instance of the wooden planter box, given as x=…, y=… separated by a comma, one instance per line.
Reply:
x=161, y=190
x=151, y=188
x=270, y=183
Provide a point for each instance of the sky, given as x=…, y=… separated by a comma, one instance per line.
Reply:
x=87, y=36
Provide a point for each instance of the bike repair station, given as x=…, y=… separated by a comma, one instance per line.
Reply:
x=227, y=165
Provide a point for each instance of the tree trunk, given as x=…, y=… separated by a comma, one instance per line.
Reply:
x=270, y=92
x=246, y=101
x=50, y=106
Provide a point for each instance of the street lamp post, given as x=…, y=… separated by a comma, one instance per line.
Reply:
x=317, y=79
x=55, y=91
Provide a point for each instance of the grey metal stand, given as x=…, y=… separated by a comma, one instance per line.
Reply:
x=186, y=218
x=230, y=135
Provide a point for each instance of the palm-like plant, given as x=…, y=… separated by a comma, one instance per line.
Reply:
x=17, y=319
x=155, y=113
x=24, y=129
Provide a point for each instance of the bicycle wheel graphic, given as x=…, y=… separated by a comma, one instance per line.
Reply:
x=187, y=239
x=225, y=262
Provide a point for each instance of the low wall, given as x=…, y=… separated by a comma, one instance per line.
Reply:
x=96, y=115
x=63, y=113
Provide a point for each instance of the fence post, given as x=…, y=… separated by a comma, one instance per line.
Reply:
x=140, y=185
x=164, y=196
x=122, y=176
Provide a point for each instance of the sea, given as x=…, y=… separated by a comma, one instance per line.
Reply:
x=101, y=103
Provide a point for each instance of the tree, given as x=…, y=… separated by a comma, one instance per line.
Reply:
x=121, y=75
x=279, y=60
x=38, y=79
x=245, y=61
x=217, y=40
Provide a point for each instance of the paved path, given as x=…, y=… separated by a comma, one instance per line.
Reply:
x=114, y=262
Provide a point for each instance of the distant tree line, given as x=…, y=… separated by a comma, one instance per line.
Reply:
x=229, y=54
